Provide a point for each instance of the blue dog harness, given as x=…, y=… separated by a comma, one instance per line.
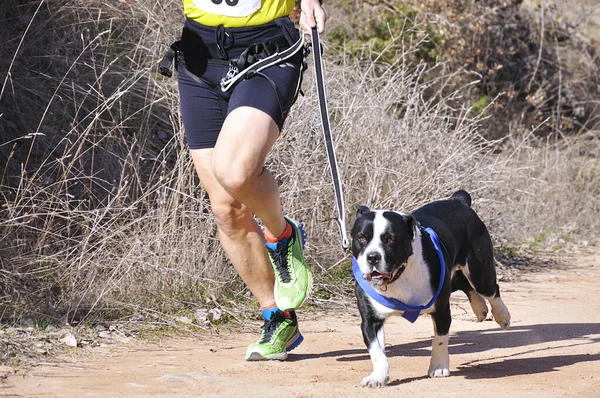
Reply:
x=410, y=312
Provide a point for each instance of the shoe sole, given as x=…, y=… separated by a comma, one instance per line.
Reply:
x=282, y=356
x=310, y=280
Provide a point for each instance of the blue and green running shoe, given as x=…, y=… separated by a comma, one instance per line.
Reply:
x=279, y=335
x=293, y=279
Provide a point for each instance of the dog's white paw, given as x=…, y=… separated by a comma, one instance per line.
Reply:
x=501, y=315
x=375, y=380
x=439, y=372
x=478, y=305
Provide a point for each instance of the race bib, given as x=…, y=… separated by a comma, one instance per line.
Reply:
x=229, y=8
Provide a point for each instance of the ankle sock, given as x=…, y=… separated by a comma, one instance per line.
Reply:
x=287, y=233
x=267, y=312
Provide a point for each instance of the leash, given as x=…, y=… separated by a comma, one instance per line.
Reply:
x=337, y=183
x=410, y=312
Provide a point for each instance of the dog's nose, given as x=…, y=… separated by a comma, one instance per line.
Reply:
x=373, y=258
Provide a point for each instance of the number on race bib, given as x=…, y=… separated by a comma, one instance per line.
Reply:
x=229, y=8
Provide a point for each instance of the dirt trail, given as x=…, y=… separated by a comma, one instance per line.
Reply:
x=552, y=350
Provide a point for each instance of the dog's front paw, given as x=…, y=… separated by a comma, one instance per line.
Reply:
x=439, y=371
x=375, y=380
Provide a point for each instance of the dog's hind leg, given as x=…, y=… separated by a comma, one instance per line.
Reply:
x=459, y=281
x=482, y=276
x=499, y=310
x=478, y=305
x=439, y=366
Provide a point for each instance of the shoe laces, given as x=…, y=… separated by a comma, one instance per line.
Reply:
x=280, y=258
x=271, y=325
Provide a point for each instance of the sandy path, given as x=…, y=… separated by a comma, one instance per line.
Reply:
x=551, y=350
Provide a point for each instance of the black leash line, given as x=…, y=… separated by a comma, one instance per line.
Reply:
x=335, y=175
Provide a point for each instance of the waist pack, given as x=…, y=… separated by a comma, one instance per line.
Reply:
x=250, y=62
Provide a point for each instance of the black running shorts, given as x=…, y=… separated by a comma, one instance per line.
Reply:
x=203, y=63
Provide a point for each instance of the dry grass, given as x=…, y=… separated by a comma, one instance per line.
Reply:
x=101, y=214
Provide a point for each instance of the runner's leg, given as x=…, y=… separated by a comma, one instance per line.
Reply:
x=240, y=236
x=238, y=164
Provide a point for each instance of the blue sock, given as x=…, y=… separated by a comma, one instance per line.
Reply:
x=273, y=246
x=268, y=313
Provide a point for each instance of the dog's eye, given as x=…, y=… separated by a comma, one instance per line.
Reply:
x=391, y=239
x=362, y=238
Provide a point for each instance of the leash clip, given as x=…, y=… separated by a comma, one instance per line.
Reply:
x=231, y=74
x=233, y=70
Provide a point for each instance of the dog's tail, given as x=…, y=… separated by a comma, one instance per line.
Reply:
x=462, y=196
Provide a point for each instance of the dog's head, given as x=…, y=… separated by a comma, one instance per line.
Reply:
x=382, y=243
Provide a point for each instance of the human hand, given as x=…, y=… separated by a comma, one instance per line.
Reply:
x=312, y=15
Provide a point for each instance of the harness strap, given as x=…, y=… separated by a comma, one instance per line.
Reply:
x=236, y=73
x=410, y=313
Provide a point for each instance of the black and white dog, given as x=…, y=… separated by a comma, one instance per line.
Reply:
x=396, y=255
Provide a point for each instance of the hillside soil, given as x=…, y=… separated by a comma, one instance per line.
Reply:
x=552, y=349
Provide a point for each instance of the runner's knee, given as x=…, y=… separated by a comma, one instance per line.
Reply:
x=233, y=178
x=230, y=216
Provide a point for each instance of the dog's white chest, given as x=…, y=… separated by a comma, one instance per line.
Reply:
x=413, y=288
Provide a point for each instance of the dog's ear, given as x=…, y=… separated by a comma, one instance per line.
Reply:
x=411, y=225
x=361, y=210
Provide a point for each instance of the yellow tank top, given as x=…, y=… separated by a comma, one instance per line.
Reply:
x=236, y=13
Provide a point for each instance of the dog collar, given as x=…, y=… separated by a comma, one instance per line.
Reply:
x=410, y=313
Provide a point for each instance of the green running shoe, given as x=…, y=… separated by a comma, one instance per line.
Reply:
x=279, y=335
x=293, y=279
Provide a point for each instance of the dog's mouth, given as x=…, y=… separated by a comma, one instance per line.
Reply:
x=377, y=278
